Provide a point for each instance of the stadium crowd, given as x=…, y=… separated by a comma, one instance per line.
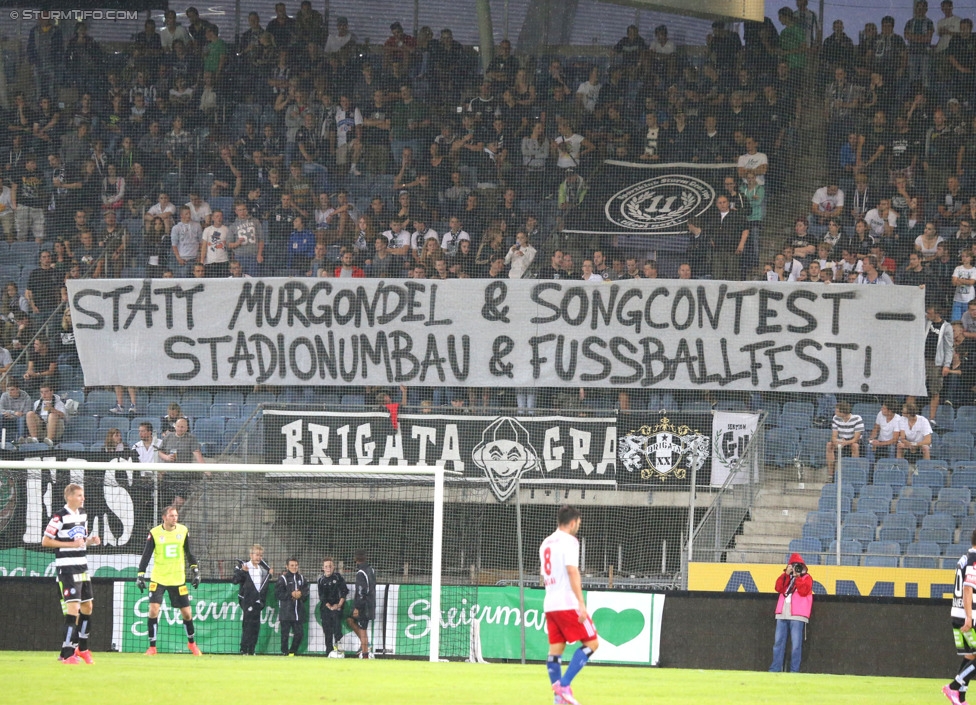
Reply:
x=296, y=150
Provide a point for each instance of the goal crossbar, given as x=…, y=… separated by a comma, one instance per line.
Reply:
x=436, y=472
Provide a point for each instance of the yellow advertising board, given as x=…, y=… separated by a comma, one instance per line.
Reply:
x=827, y=580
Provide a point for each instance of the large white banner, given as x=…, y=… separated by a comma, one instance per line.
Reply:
x=732, y=433
x=644, y=333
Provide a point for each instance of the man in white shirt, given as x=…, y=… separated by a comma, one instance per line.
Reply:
x=753, y=159
x=348, y=134
x=827, y=204
x=217, y=244
x=199, y=210
x=164, y=208
x=567, y=620
x=947, y=27
x=882, y=220
x=398, y=237
x=147, y=448
x=48, y=415
x=422, y=233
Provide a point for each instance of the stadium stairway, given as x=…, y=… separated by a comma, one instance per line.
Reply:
x=776, y=519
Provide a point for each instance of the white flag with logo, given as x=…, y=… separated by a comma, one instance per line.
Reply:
x=732, y=433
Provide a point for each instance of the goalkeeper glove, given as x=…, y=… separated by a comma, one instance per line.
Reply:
x=141, y=582
x=194, y=576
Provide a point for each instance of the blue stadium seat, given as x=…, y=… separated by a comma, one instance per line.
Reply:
x=953, y=452
x=869, y=412
x=883, y=548
x=941, y=536
x=82, y=429
x=846, y=490
x=790, y=420
x=861, y=518
x=854, y=471
x=820, y=530
x=353, y=400
x=963, y=437
x=892, y=475
x=34, y=448
x=963, y=494
x=940, y=520
x=857, y=533
x=850, y=553
x=71, y=446
x=195, y=409
x=964, y=423
x=23, y=253
x=876, y=490
x=922, y=554
x=697, y=406
x=120, y=422
x=99, y=401
x=809, y=548
x=964, y=476
x=945, y=418
x=136, y=420
x=875, y=505
x=953, y=507
x=828, y=503
x=228, y=396
x=209, y=430
x=931, y=476
x=967, y=413
x=917, y=506
x=800, y=408
x=261, y=398
x=813, y=447
x=226, y=411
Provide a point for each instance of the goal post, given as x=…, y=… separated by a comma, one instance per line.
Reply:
x=294, y=510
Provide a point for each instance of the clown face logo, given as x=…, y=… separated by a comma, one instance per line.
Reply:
x=505, y=453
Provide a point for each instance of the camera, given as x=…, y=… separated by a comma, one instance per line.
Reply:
x=798, y=569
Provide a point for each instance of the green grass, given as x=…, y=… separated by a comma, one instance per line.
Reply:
x=117, y=679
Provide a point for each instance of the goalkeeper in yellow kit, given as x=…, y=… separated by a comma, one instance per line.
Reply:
x=169, y=544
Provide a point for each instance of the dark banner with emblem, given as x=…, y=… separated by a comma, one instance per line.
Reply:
x=119, y=503
x=647, y=200
x=536, y=450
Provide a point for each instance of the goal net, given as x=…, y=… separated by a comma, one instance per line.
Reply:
x=419, y=527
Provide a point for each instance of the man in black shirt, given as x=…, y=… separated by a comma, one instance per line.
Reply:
x=280, y=226
x=292, y=593
x=43, y=291
x=332, y=596
x=364, y=602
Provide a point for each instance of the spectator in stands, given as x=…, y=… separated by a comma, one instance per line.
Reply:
x=14, y=406
x=964, y=281
x=886, y=434
x=186, y=237
x=846, y=431
x=916, y=435
x=938, y=354
x=871, y=272
x=727, y=233
x=793, y=607
x=180, y=446
x=43, y=290
x=47, y=417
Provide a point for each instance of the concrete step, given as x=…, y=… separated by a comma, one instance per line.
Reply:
x=779, y=514
x=760, y=541
x=772, y=528
x=806, y=499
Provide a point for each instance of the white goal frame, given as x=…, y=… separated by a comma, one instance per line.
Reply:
x=438, y=473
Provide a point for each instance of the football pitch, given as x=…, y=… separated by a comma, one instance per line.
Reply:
x=118, y=679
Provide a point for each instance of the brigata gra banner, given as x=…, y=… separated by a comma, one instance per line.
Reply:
x=627, y=198
x=644, y=333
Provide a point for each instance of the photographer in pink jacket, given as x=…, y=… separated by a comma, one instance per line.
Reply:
x=795, y=588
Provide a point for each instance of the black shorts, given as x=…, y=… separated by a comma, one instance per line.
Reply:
x=179, y=595
x=362, y=621
x=75, y=587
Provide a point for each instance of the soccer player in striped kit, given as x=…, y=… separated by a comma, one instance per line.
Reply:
x=67, y=534
x=567, y=620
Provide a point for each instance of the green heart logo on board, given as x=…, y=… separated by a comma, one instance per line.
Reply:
x=618, y=627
